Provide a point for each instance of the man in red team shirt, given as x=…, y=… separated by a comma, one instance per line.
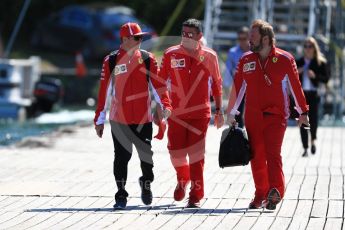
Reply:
x=266, y=74
x=192, y=75
x=130, y=111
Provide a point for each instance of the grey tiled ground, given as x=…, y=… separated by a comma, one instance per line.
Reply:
x=69, y=185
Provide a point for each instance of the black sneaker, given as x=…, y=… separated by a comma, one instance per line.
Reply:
x=273, y=198
x=313, y=149
x=305, y=153
x=120, y=204
x=146, y=193
x=192, y=203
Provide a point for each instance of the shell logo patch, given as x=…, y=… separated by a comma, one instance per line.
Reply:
x=202, y=58
x=140, y=61
x=119, y=69
x=249, y=66
x=178, y=63
x=274, y=59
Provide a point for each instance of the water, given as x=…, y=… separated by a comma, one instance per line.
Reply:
x=12, y=131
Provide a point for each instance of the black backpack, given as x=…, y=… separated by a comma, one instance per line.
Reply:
x=144, y=55
x=234, y=148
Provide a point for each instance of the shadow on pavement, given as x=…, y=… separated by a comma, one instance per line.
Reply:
x=168, y=209
x=128, y=208
x=208, y=211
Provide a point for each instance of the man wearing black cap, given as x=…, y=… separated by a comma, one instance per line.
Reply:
x=127, y=74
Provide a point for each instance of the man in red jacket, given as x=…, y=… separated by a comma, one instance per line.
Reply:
x=130, y=111
x=192, y=75
x=266, y=74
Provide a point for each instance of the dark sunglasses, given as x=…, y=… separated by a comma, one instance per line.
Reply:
x=308, y=46
x=137, y=38
x=187, y=34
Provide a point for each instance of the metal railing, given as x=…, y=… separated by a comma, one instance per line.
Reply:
x=293, y=21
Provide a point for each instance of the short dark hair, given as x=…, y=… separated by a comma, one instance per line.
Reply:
x=243, y=30
x=194, y=23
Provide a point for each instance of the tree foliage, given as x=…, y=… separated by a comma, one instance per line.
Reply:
x=154, y=12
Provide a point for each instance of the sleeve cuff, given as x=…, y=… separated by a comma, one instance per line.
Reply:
x=234, y=112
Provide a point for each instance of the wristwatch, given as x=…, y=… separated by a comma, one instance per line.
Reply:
x=219, y=111
x=305, y=113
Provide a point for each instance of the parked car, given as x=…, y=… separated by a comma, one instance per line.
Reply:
x=92, y=30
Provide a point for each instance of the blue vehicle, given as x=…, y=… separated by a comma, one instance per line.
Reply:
x=90, y=29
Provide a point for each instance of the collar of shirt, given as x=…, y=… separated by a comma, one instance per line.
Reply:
x=193, y=53
x=239, y=50
x=124, y=57
x=270, y=55
x=306, y=61
x=235, y=53
x=273, y=51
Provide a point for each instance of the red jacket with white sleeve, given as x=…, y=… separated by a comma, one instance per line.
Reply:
x=130, y=101
x=267, y=85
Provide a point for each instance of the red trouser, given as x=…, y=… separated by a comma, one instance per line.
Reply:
x=187, y=137
x=266, y=133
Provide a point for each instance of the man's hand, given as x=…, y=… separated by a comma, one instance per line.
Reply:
x=99, y=130
x=166, y=113
x=230, y=120
x=303, y=120
x=219, y=119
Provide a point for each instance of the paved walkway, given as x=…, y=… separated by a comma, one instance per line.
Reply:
x=66, y=183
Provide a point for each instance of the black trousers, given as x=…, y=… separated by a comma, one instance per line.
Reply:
x=124, y=136
x=313, y=102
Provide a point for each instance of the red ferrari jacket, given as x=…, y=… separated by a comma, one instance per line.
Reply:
x=191, y=79
x=129, y=89
x=267, y=85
